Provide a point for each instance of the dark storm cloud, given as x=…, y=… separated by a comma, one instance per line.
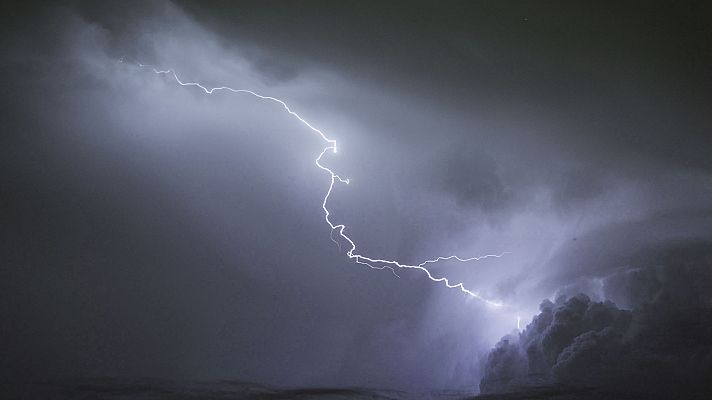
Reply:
x=574, y=122
x=151, y=230
x=614, y=74
x=557, y=344
x=662, y=347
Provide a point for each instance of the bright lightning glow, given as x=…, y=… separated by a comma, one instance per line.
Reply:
x=351, y=253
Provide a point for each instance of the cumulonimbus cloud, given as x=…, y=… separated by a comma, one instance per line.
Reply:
x=663, y=345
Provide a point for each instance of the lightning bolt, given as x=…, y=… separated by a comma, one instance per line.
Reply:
x=330, y=144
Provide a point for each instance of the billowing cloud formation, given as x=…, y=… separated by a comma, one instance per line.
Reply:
x=664, y=345
x=565, y=336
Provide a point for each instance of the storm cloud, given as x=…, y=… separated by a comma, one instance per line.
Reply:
x=660, y=348
x=151, y=230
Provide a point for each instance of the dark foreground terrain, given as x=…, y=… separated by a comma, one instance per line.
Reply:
x=110, y=389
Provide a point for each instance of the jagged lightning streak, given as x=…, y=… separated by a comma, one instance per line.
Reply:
x=331, y=146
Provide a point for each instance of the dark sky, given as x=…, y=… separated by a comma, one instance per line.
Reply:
x=151, y=230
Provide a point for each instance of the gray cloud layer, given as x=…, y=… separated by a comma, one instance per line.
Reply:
x=151, y=230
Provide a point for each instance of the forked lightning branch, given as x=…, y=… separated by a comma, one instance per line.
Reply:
x=330, y=148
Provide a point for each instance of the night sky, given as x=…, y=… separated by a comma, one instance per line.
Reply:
x=148, y=230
